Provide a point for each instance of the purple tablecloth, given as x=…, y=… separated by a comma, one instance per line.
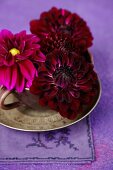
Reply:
x=15, y=15
x=71, y=145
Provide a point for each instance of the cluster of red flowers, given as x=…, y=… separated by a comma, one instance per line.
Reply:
x=66, y=81
x=51, y=61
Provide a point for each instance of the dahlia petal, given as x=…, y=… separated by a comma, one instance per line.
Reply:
x=63, y=113
x=36, y=25
x=1, y=60
x=21, y=57
x=2, y=74
x=9, y=60
x=3, y=49
x=68, y=97
x=74, y=109
x=68, y=19
x=50, y=67
x=59, y=82
x=35, y=46
x=75, y=105
x=34, y=90
x=72, y=115
x=63, y=106
x=43, y=82
x=20, y=35
x=42, y=101
x=20, y=84
x=87, y=99
x=13, y=77
x=61, y=96
x=51, y=92
x=64, y=60
x=33, y=38
x=46, y=76
x=28, y=84
x=86, y=87
x=33, y=26
x=42, y=67
x=40, y=57
x=6, y=34
x=63, y=109
x=83, y=80
x=63, y=12
x=52, y=104
x=53, y=61
x=38, y=79
x=6, y=78
x=43, y=15
x=27, y=53
x=27, y=69
x=9, y=77
x=22, y=46
x=94, y=76
x=74, y=93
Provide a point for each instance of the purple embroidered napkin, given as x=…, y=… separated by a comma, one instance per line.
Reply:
x=71, y=145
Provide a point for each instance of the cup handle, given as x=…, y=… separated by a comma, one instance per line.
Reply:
x=3, y=95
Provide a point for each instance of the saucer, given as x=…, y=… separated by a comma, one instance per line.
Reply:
x=26, y=119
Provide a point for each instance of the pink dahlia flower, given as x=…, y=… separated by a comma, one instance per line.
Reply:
x=18, y=52
x=65, y=83
x=61, y=20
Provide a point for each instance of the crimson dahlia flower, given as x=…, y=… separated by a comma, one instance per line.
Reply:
x=63, y=21
x=59, y=41
x=17, y=54
x=65, y=83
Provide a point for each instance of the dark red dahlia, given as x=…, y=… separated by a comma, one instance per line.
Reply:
x=63, y=82
x=61, y=20
x=59, y=41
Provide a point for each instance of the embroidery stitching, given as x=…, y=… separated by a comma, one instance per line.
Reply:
x=57, y=137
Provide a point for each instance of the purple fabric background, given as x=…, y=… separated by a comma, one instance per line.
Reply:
x=15, y=15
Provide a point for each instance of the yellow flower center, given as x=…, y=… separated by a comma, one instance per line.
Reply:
x=14, y=51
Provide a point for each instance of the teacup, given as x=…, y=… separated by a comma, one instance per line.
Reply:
x=24, y=98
